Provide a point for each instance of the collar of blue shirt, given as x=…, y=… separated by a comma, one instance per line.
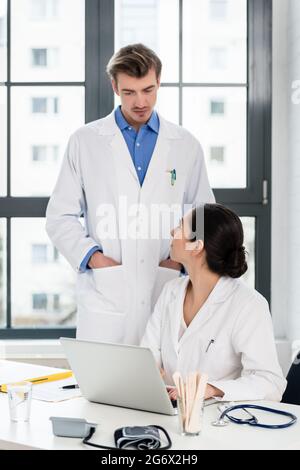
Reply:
x=153, y=122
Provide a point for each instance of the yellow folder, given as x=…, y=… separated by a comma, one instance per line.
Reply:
x=40, y=380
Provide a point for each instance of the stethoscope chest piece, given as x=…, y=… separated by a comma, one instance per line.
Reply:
x=220, y=423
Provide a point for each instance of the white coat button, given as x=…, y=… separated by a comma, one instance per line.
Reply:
x=142, y=261
x=143, y=302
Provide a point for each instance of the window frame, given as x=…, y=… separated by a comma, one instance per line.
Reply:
x=253, y=201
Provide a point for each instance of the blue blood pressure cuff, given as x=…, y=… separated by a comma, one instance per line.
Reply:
x=140, y=437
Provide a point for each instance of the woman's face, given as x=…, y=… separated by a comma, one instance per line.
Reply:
x=181, y=247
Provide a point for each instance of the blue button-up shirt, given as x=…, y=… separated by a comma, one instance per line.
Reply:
x=141, y=145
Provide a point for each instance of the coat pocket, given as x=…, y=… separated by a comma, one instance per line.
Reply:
x=163, y=276
x=101, y=326
x=111, y=284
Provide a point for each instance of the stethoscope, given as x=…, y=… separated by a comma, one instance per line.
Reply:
x=252, y=420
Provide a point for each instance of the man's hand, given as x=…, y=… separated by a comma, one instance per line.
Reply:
x=169, y=263
x=98, y=260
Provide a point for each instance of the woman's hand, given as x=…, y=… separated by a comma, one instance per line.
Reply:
x=212, y=392
x=209, y=392
x=172, y=393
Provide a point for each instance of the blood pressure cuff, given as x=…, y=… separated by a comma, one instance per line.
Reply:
x=140, y=437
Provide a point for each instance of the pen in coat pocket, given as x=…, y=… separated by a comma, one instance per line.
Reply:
x=209, y=344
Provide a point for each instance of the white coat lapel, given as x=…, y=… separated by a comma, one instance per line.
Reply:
x=222, y=290
x=175, y=309
x=158, y=166
x=122, y=157
x=120, y=152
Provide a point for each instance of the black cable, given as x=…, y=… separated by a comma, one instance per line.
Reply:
x=169, y=445
x=98, y=446
x=89, y=436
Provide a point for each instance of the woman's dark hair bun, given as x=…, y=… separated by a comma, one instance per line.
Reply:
x=223, y=239
x=235, y=264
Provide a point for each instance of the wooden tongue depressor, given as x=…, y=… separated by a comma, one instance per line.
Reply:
x=198, y=401
x=191, y=385
x=187, y=403
x=181, y=394
x=176, y=378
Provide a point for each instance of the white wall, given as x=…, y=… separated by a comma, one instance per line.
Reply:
x=286, y=172
x=293, y=206
x=279, y=281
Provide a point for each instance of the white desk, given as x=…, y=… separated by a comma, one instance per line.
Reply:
x=37, y=434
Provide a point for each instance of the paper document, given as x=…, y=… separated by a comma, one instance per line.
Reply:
x=52, y=391
x=49, y=391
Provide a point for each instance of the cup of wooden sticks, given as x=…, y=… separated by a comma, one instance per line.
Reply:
x=190, y=402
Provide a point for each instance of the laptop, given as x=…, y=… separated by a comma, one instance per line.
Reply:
x=118, y=375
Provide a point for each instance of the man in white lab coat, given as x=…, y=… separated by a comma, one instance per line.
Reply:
x=127, y=174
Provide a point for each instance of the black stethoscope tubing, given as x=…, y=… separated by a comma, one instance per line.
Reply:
x=253, y=420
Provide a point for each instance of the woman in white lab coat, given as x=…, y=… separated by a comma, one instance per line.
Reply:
x=210, y=321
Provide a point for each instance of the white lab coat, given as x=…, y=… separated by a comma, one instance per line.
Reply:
x=114, y=303
x=242, y=360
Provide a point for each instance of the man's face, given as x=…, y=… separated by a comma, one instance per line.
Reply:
x=138, y=96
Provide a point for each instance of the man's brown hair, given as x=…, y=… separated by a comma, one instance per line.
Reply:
x=135, y=60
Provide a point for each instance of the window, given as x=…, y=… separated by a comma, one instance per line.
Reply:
x=48, y=26
x=146, y=21
x=43, y=10
x=39, y=57
x=55, y=105
x=45, y=58
x=3, y=41
x=214, y=91
x=3, y=283
x=39, y=105
x=218, y=9
x=39, y=253
x=217, y=108
x=2, y=31
x=218, y=43
x=55, y=254
x=43, y=153
x=42, y=101
x=3, y=138
x=39, y=301
x=45, y=105
x=44, y=253
x=56, y=302
x=35, y=270
x=54, y=152
x=39, y=153
x=46, y=303
x=218, y=58
x=217, y=154
x=228, y=129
